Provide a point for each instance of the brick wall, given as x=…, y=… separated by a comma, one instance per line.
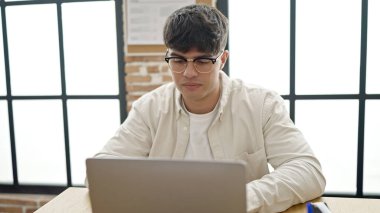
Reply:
x=143, y=74
x=22, y=203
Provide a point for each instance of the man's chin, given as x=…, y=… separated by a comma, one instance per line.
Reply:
x=193, y=96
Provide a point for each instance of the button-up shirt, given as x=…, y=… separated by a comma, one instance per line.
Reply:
x=251, y=125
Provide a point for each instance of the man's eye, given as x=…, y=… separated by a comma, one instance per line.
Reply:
x=203, y=61
x=178, y=60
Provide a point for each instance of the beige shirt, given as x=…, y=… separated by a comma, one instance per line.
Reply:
x=252, y=124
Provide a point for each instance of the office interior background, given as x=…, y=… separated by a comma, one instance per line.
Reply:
x=67, y=81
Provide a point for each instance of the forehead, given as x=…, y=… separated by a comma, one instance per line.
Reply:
x=192, y=53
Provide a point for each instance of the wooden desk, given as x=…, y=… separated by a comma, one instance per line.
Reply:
x=78, y=200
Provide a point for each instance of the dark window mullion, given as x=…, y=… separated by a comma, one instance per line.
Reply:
x=120, y=54
x=372, y=96
x=292, y=76
x=36, y=97
x=28, y=2
x=9, y=95
x=64, y=96
x=362, y=98
x=222, y=5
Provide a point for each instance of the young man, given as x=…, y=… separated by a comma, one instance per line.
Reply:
x=204, y=114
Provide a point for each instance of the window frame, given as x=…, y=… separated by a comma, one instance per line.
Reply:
x=292, y=97
x=16, y=187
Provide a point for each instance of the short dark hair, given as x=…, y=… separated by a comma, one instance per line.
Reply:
x=196, y=26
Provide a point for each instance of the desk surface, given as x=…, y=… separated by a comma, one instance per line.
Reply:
x=77, y=200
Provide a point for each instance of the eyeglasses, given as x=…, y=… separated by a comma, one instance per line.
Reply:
x=178, y=64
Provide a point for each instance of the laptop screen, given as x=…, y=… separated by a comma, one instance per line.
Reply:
x=145, y=185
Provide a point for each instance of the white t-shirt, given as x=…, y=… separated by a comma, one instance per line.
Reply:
x=199, y=146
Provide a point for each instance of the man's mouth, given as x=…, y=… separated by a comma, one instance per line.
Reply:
x=191, y=86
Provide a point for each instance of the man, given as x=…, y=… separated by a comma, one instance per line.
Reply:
x=206, y=115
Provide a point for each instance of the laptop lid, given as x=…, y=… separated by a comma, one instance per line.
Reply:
x=162, y=186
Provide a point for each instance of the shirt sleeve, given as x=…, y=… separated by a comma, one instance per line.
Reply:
x=297, y=175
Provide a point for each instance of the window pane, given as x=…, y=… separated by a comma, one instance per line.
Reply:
x=330, y=126
x=373, y=47
x=3, y=89
x=91, y=124
x=328, y=46
x=259, y=42
x=5, y=146
x=371, y=182
x=90, y=48
x=40, y=142
x=34, y=49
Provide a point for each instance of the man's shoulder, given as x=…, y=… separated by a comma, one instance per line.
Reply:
x=239, y=86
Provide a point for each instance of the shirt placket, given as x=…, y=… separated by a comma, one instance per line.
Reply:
x=183, y=134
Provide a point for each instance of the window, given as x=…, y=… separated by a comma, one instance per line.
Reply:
x=373, y=48
x=322, y=57
x=61, y=89
x=268, y=43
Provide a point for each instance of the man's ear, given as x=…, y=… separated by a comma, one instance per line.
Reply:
x=224, y=58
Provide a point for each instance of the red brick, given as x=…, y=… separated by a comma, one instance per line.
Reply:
x=16, y=201
x=30, y=210
x=143, y=88
x=167, y=78
x=138, y=78
x=131, y=68
x=165, y=68
x=10, y=209
x=133, y=97
x=153, y=69
x=143, y=58
x=44, y=201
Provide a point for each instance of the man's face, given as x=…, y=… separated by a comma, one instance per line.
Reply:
x=196, y=86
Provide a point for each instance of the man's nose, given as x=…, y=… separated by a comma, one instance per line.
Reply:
x=190, y=70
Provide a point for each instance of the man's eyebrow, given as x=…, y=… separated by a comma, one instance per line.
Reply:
x=181, y=56
x=175, y=54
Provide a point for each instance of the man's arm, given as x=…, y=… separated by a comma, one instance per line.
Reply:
x=297, y=176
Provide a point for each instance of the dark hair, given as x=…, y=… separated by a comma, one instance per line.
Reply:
x=196, y=26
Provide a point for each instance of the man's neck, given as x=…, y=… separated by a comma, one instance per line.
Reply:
x=202, y=106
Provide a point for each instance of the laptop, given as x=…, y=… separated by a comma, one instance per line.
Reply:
x=164, y=186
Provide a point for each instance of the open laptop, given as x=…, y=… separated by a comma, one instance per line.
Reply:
x=164, y=186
